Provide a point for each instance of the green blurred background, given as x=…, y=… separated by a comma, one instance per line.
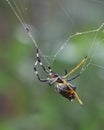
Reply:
x=27, y=104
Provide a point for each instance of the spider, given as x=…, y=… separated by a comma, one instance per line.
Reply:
x=61, y=83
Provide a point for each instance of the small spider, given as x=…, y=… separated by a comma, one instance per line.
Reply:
x=62, y=85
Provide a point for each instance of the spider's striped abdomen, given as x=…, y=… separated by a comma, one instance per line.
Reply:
x=66, y=91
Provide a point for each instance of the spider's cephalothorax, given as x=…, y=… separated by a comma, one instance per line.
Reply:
x=61, y=88
x=62, y=84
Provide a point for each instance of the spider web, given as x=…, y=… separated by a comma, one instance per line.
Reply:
x=92, y=51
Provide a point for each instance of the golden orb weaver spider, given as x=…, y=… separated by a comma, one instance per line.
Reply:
x=61, y=83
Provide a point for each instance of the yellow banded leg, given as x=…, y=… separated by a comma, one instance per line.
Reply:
x=74, y=69
x=76, y=95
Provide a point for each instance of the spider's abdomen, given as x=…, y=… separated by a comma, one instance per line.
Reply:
x=66, y=91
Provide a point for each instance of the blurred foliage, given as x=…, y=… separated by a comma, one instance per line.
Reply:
x=27, y=104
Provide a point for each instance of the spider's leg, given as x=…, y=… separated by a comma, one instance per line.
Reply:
x=50, y=70
x=36, y=72
x=76, y=95
x=66, y=72
x=74, y=69
x=40, y=62
x=74, y=77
